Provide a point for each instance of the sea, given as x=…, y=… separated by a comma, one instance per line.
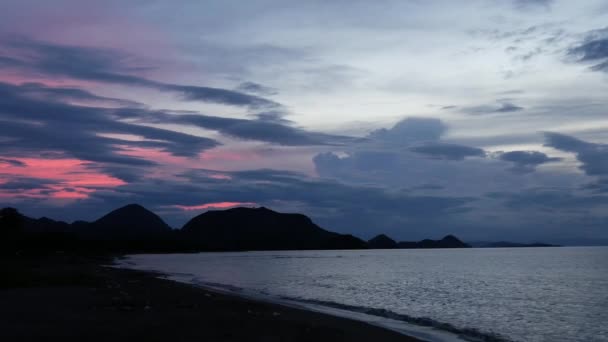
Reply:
x=439, y=295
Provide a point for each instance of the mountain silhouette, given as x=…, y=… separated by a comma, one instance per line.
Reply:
x=262, y=229
x=44, y=225
x=135, y=229
x=381, y=242
x=129, y=222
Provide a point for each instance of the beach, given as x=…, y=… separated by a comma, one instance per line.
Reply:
x=72, y=298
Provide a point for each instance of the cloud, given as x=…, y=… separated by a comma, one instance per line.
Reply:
x=31, y=125
x=13, y=162
x=593, y=50
x=116, y=144
x=412, y=154
x=425, y=187
x=26, y=183
x=215, y=95
x=410, y=130
x=269, y=128
x=70, y=94
x=551, y=200
x=594, y=157
x=356, y=165
x=51, y=179
x=598, y=187
x=262, y=130
x=526, y=4
x=273, y=116
x=449, y=151
x=508, y=107
x=526, y=161
x=601, y=67
x=108, y=66
x=501, y=107
x=255, y=88
x=31, y=119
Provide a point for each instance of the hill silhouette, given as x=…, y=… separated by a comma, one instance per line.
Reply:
x=262, y=229
x=449, y=241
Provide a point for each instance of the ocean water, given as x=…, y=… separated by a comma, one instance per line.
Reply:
x=502, y=294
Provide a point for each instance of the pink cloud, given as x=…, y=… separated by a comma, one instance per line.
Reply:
x=56, y=192
x=216, y=205
x=73, y=172
x=168, y=163
x=220, y=176
x=152, y=154
x=77, y=193
x=70, y=178
x=223, y=155
x=216, y=159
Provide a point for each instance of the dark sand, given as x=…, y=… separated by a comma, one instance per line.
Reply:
x=74, y=299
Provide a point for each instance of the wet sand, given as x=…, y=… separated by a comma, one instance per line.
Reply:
x=66, y=299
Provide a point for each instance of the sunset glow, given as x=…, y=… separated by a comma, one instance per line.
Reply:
x=217, y=205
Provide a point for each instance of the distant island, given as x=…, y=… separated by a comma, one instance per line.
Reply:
x=133, y=229
x=507, y=244
x=384, y=242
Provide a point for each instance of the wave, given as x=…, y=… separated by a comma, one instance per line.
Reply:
x=469, y=334
x=303, y=257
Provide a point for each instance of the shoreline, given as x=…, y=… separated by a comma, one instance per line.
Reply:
x=417, y=332
x=75, y=298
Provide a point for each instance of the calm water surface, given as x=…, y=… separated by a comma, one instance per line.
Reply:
x=510, y=294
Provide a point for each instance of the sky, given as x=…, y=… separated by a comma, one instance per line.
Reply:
x=485, y=119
